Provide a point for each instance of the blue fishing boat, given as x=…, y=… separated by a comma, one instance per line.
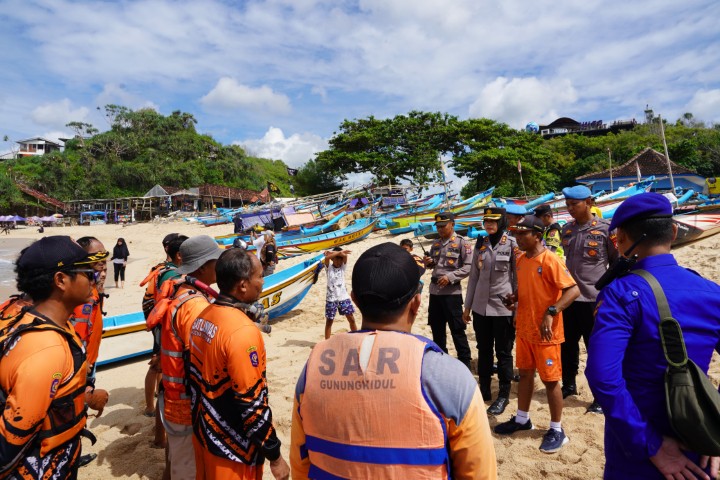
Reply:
x=125, y=336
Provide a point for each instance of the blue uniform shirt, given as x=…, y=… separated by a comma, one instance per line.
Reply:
x=626, y=365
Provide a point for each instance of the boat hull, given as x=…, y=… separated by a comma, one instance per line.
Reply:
x=125, y=336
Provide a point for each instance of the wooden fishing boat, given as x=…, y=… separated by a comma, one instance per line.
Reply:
x=475, y=202
x=125, y=336
x=359, y=229
x=695, y=225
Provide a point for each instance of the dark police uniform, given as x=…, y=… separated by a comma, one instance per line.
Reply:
x=492, y=275
x=589, y=249
x=451, y=257
x=626, y=365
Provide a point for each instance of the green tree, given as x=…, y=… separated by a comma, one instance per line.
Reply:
x=314, y=178
x=406, y=147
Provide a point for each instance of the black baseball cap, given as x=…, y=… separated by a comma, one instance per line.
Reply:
x=444, y=217
x=385, y=276
x=169, y=238
x=52, y=254
x=530, y=223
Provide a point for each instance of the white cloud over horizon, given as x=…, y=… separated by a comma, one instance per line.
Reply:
x=294, y=150
x=705, y=105
x=58, y=114
x=228, y=94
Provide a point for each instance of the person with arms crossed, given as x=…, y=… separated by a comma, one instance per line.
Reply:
x=492, y=278
x=545, y=289
x=416, y=412
x=626, y=364
x=233, y=429
x=589, y=250
x=450, y=258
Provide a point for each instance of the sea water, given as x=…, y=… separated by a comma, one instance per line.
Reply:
x=7, y=269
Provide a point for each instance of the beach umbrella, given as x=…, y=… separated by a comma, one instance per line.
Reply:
x=57, y=215
x=49, y=219
x=16, y=218
x=4, y=218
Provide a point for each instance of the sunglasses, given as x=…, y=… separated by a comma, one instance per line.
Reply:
x=92, y=275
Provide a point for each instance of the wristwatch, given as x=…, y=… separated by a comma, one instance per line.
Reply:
x=552, y=310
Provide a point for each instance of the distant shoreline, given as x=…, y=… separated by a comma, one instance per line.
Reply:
x=9, y=250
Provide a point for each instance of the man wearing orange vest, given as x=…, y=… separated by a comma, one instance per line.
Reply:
x=43, y=370
x=87, y=320
x=234, y=433
x=199, y=255
x=382, y=402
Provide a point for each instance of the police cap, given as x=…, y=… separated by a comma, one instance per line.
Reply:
x=444, y=217
x=493, y=213
x=578, y=192
x=640, y=207
x=514, y=209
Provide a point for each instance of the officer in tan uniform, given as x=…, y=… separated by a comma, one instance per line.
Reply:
x=589, y=251
x=450, y=258
x=553, y=230
x=492, y=279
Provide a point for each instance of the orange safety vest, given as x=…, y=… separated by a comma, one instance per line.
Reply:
x=376, y=422
x=173, y=352
x=215, y=416
x=66, y=417
x=152, y=292
x=83, y=317
x=12, y=307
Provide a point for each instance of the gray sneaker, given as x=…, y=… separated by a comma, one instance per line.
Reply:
x=553, y=441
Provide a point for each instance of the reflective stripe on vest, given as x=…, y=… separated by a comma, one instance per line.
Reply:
x=406, y=438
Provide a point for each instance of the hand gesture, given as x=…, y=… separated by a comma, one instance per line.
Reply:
x=280, y=469
x=673, y=463
x=546, y=328
x=443, y=281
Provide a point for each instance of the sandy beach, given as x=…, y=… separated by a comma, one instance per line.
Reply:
x=124, y=434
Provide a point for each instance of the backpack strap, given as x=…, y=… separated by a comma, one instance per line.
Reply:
x=670, y=331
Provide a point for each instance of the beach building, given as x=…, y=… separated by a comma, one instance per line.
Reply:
x=36, y=146
x=646, y=163
x=566, y=125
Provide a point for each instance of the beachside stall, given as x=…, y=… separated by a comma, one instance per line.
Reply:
x=95, y=217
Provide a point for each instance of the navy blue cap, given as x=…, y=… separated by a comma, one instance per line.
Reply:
x=52, y=254
x=642, y=206
x=541, y=210
x=513, y=209
x=529, y=223
x=578, y=192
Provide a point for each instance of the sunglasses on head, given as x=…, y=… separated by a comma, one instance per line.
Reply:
x=92, y=275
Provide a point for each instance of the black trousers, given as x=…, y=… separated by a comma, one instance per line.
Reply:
x=500, y=333
x=119, y=271
x=447, y=310
x=578, y=321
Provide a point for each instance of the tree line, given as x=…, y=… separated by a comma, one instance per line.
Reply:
x=143, y=148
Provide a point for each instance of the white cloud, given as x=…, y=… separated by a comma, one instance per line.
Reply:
x=228, y=94
x=520, y=100
x=58, y=114
x=294, y=150
x=705, y=105
x=55, y=136
x=321, y=92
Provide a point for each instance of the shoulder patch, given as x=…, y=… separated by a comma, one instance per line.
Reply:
x=55, y=384
x=254, y=359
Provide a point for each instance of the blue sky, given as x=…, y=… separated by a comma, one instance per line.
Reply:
x=279, y=76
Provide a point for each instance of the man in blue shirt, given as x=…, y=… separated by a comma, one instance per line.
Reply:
x=626, y=364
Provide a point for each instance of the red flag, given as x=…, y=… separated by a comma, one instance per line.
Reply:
x=519, y=167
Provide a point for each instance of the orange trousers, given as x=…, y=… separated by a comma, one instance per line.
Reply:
x=211, y=467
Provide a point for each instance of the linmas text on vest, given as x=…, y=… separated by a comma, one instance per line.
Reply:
x=357, y=384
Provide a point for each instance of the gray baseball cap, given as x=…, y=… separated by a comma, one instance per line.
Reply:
x=196, y=252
